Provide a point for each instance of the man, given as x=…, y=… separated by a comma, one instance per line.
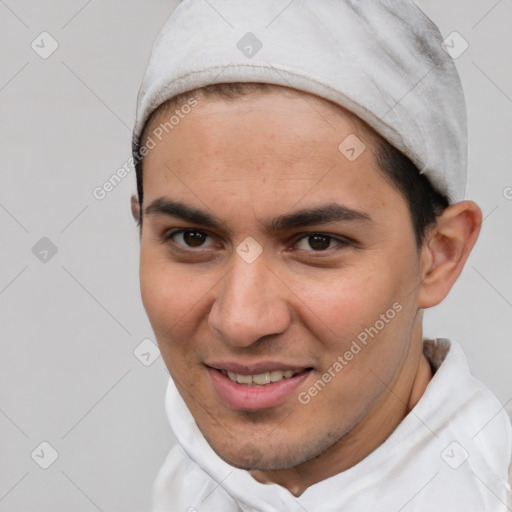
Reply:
x=300, y=179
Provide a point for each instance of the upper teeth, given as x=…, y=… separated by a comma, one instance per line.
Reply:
x=260, y=378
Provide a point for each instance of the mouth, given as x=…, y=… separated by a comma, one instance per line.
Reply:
x=256, y=388
x=260, y=379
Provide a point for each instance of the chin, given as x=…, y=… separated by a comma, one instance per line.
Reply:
x=265, y=457
x=251, y=459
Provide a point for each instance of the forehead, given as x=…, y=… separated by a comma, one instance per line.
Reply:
x=270, y=149
x=290, y=124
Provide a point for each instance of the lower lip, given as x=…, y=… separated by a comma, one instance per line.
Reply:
x=255, y=398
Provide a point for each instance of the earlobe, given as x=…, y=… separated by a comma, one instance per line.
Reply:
x=134, y=203
x=446, y=250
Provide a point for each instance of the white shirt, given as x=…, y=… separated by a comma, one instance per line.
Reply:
x=450, y=453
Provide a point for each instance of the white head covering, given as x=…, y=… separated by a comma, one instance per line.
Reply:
x=381, y=59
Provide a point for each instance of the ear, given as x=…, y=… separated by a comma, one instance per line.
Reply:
x=446, y=250
x=134, y=203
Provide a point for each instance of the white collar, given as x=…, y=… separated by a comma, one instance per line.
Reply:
x=414, y=469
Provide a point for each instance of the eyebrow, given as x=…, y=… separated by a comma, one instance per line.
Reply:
x=325, y=214
x=167, y=207
x=331, y=212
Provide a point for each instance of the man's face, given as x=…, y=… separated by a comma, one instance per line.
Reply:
x=338, y=260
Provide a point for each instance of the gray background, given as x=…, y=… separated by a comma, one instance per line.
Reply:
x=70, y=323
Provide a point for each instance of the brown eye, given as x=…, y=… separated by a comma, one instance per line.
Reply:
x=194, y=238
x=319, y=242
x=191, y=238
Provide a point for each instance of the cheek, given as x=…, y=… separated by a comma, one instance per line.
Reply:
x=346, y=304
x=160, y=302
x=174, y=297
x=365, y=311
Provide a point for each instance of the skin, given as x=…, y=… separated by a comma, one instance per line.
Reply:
x=250, y=160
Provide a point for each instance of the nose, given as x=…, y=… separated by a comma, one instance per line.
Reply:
x=251, y=304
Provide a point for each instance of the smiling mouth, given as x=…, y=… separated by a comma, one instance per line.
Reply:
x=261, y=379
x=258, y=386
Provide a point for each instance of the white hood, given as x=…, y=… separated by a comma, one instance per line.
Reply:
x=451, y=453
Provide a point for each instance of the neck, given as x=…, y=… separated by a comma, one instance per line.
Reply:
x=396, y=402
